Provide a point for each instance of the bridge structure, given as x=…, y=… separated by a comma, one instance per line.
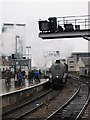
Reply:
x=65, y=27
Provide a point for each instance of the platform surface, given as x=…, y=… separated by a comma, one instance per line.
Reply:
x=11, y=88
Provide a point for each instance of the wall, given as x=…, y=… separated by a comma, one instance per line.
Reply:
x=13, y=99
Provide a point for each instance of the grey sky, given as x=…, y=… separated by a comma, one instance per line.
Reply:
x=29, y=13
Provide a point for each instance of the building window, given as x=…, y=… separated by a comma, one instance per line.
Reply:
x=71, y=61
x=71, y=57
x=71, y=66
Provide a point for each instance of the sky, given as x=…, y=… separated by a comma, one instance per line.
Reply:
x=30, y=12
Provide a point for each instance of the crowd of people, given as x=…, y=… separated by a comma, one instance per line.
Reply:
x=20, y=76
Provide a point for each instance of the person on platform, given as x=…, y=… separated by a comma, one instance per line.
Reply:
x=23, y=77
x=7, y=77
x=40, y=74
x=32, y=76
x=29, y=75
x=16, y=79
x=19, y=78
x=37, y=75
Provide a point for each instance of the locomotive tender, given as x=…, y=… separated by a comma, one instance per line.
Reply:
x=59, y=74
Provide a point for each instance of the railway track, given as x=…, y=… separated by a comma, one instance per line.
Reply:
x=42, y=113
x=75, y=106
x=28, y=107
x=24, y=110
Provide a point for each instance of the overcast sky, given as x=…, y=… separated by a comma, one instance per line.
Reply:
x=30, y=12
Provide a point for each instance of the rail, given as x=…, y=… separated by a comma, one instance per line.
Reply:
x=73, y=108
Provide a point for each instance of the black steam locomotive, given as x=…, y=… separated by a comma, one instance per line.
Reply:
x=59, y=74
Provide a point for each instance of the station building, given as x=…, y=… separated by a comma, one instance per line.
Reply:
x=83, y=66
x=13, y=39
x=14, y=43
x=79, y=61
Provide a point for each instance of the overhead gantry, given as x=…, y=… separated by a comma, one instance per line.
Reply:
x=65, y=27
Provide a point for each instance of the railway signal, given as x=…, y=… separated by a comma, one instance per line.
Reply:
x=52, y=24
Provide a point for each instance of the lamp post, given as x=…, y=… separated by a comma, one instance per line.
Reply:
x=17, y=37
x=29, y=65
x=15, y=66
x=45, y=55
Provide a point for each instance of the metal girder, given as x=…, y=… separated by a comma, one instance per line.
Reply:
x=71, y=34
x=86, y=38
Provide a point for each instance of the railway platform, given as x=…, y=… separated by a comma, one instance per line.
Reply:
x=12, y=96
x=11, y=88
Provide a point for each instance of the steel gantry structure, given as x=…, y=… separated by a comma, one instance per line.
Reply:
x=65, y=27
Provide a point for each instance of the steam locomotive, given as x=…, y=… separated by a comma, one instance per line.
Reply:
x=59, y=74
